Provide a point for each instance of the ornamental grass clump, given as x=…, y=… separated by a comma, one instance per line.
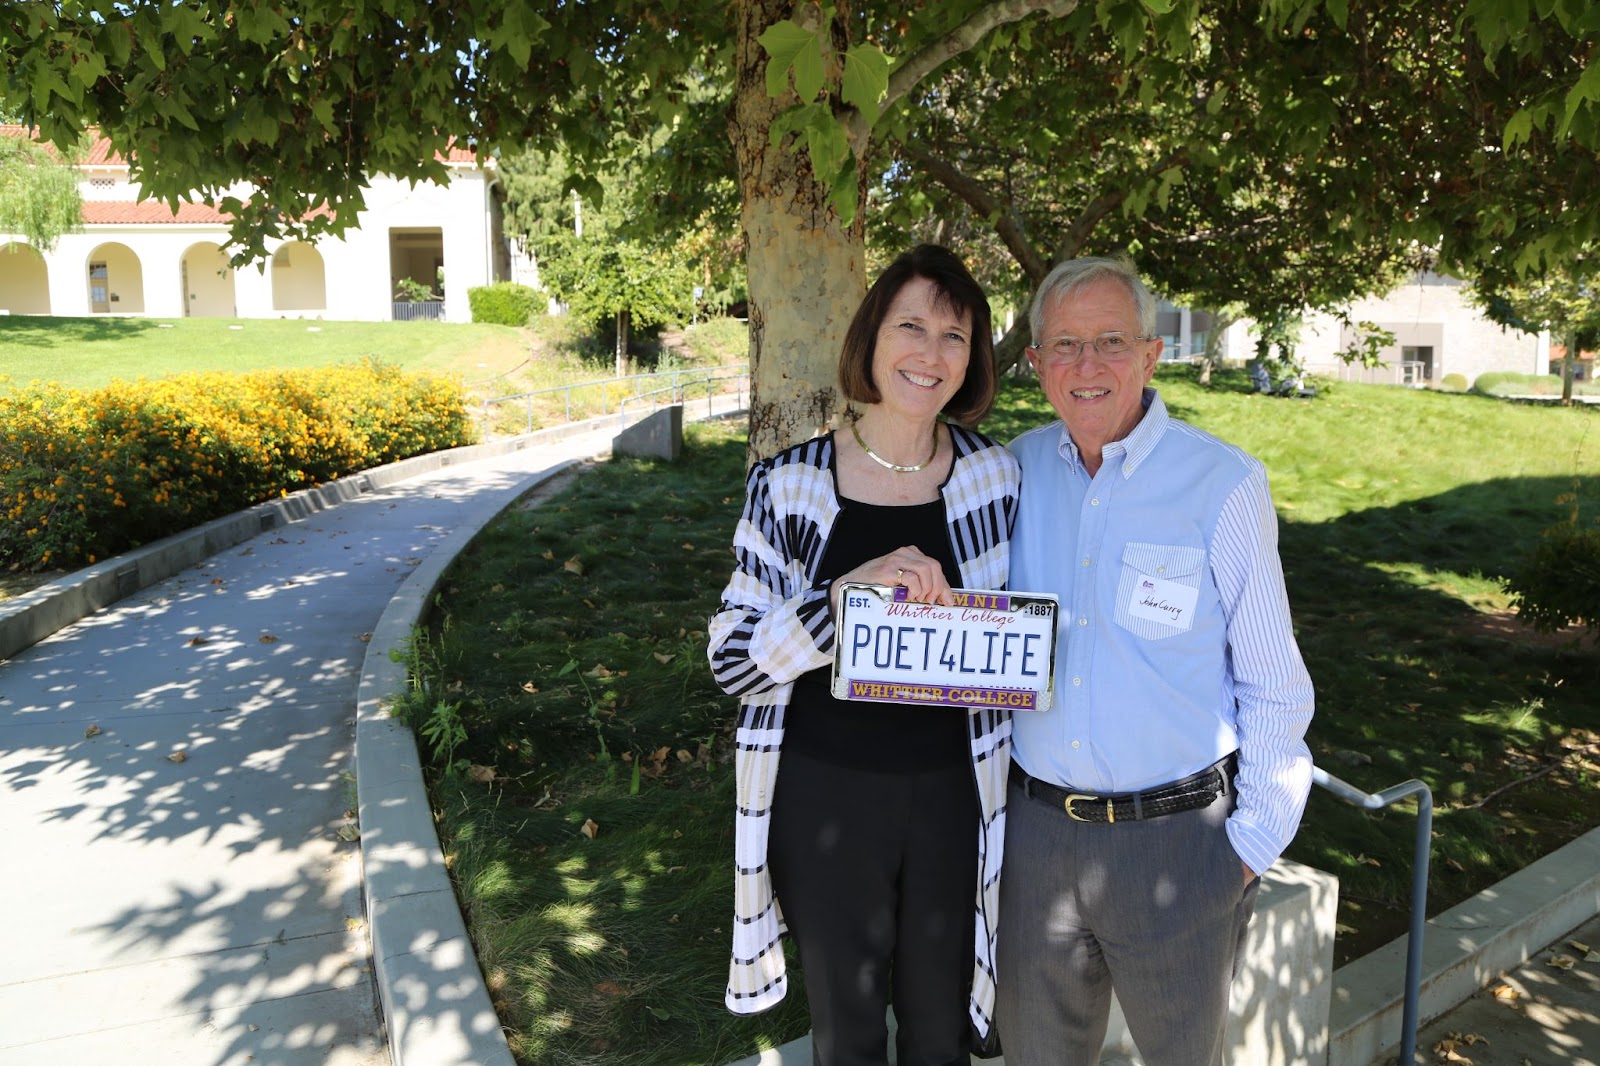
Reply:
x=85, y=474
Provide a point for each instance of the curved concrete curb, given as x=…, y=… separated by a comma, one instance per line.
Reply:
x=38, y=613
x=435, y=1004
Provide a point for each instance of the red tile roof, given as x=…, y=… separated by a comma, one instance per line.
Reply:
x=149, y=212
x=101, y=154
x=123, y=212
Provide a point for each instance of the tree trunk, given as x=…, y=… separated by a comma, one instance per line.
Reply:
x=806, y=269
x=1219, y=327
x=622, y=343
x=1569, y=360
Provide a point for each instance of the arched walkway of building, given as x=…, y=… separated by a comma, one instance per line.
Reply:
x=299, y=281
x=24, y=281
x=116, y=280
x=207, y=282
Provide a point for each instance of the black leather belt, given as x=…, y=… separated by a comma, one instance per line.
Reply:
x=1186, y=794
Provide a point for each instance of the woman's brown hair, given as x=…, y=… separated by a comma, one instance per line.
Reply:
x=956, y=290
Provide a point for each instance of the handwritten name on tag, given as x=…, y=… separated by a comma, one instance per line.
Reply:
x=1166, y=602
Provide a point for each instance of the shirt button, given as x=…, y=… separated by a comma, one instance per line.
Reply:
x=1083, y=621
x=1075, y=744
x=1077, y=681
x=1085, y=560
x=1161, y=569
x=1095, y=502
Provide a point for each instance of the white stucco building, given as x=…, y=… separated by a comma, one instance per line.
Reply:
x=1437, y=331
x=144, y=259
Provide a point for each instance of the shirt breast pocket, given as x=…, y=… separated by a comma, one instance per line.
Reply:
x=1158, y=589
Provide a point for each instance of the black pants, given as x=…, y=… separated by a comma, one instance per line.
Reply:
x=877, y=875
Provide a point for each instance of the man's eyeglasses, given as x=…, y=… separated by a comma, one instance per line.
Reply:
x=1113, y=347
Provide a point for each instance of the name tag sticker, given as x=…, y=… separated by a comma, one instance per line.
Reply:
x=989, y=649
x=1166, y=602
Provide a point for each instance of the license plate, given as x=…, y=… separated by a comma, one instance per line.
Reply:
x=990, y=649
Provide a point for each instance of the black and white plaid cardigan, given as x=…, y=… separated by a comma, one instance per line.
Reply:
x=774, y=625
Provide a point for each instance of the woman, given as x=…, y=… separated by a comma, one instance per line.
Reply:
x=864, y=831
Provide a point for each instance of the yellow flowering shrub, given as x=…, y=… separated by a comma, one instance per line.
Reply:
x=85, y=474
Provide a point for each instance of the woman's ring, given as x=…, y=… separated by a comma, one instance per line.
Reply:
x=900, y=573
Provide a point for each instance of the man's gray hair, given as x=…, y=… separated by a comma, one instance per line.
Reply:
x=1075, y=275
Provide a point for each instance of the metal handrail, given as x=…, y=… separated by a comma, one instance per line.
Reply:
x=678, y=390
x=604, y=385
x=1419, y=884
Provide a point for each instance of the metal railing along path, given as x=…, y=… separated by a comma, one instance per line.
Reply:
x=1374, y=801
x=678, y=380
x=678, y=392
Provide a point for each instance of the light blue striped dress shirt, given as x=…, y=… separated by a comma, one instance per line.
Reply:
x=1175, y=645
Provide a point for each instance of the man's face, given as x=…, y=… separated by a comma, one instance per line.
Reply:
x=1098, y=397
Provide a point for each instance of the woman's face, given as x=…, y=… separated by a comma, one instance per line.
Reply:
x=920, y=360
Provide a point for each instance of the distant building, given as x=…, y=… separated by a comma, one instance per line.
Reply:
x=144, y=259
x=1437, y=332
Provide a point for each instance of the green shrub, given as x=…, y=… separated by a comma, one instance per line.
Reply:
x=502, y=304
x=1559, y=584
x=718, y=340
x=1511, y=383
x=85, y=474
x=1453, y=383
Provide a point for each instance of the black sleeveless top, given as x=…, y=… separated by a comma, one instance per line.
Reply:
x=893, y=737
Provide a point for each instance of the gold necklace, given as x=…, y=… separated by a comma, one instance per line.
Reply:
x=896, y=467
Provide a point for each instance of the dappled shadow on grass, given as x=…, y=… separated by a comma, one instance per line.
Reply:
x=46, y=332
x=599, y=951
x=1408, y=686
x=572, y=636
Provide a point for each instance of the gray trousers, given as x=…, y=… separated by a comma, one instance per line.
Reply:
x=1156, y=909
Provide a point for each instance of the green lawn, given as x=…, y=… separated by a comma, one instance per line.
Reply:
x=569, y=651
x=89, y=352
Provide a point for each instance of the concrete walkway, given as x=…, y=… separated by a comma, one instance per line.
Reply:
x=177, y=785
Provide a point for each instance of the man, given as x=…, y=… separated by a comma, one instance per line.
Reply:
x=1171, y=769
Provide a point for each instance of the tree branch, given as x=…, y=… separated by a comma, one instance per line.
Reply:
x=934, y=53
x=972, y=192
x=1082, y=227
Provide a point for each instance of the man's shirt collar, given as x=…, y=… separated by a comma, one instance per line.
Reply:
x=1132, y=450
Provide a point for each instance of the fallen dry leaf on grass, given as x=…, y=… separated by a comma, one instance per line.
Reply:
x=590, y=828
x=529, y=686
x=481, y=774
x=1505, y=992
x=662, y=658
x=1579, y=946
x=1563, y=962
x=573, y=566
x=92, y=731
